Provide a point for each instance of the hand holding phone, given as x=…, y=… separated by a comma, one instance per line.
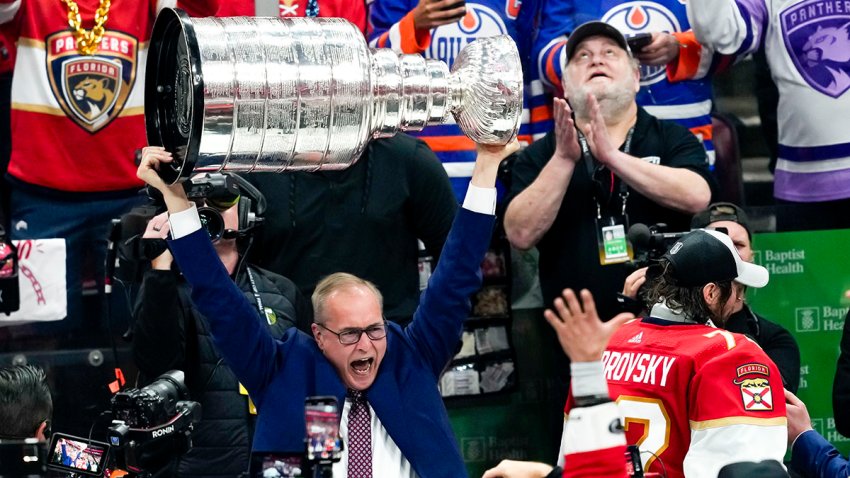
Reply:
x=654, y=49
x=428, y=14
x=638, y=41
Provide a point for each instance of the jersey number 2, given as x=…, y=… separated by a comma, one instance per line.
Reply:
x=651, y=414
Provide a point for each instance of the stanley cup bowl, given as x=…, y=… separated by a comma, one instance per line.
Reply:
x=487, y=84
x=246, y=94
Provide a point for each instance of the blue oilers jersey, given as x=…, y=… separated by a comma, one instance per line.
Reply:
x=680, y=91
x=391, y=26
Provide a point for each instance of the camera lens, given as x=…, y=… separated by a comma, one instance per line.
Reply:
x=212, y=222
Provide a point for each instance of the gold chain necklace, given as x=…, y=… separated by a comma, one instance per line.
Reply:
x=88, y=41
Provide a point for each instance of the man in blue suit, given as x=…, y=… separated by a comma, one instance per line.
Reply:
x=353, y=351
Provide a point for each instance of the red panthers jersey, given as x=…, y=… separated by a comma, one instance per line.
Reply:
x=694, y=398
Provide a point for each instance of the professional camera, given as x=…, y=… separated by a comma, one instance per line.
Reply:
x=215, y=192
x=152, y=424
x=220, y=192
x=152, y=405
x=150, y=427
x=651, y=242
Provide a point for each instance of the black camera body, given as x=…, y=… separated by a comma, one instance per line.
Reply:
x=651, y=242
x=151, y=405
x=151, y=426
x=217, y=191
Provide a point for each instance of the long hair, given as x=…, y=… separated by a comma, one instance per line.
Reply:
x=687, y=301
x=25, y=400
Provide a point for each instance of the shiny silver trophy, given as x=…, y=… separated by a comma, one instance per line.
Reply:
x=248, y=94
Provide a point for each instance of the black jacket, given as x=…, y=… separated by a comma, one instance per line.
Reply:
x=365, y=220
x=776, y=342
x=170, y=333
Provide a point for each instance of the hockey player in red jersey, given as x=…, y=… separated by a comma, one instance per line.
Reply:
x=694, y=397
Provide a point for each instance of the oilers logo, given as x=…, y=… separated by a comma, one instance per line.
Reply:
x=91, y=90
x=643, y=17
x=447, y=40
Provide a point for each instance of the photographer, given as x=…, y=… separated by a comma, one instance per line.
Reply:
x=170, y=333
x=26, y=406
x=705, y=397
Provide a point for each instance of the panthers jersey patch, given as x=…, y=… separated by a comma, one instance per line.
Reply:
x=92, y=90
x=755, y=387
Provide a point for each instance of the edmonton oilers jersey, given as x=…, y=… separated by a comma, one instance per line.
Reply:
x=688, y=102
x=391, y=26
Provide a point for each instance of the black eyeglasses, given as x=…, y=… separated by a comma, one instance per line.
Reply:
x=352, y=336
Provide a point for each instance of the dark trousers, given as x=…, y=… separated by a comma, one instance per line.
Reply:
x=810, y=216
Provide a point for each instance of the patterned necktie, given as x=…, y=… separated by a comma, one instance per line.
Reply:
x=359, y=437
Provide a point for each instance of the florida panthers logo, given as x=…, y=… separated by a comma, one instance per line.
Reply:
x=828, y=52
x=91, y=90
x=92, y=86
x=818, y=40
x=644, y=17
x=479, y=22
x=95, y=93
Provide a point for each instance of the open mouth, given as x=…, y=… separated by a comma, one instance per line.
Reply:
x=598, y=74
x=362, y=366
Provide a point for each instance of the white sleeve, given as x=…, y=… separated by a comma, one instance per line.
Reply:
x=185, y=222
x=713, y=448
x=731, y=27
x=590, y=429
x=480, y=200
x=160, y=4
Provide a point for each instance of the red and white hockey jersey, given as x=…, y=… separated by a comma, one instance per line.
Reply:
x=77, y=120
x=592, y=447
x=694, y=398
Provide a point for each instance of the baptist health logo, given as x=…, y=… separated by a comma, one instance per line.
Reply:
x=781, y=261
x=808, y=319
x=474, y=449
x=826, y=318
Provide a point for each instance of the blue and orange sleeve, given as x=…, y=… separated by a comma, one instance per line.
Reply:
x=556, y=23
x=391, y=26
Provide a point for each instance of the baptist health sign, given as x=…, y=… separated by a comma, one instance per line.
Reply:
x=809, y=278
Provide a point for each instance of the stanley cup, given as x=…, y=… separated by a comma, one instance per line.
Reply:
x=248, y=94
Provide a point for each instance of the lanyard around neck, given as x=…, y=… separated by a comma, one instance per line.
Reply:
x=593, y=168
x=256, y=293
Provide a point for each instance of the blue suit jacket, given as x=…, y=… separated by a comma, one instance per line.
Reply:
x=279, y=374
x=812, y=456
